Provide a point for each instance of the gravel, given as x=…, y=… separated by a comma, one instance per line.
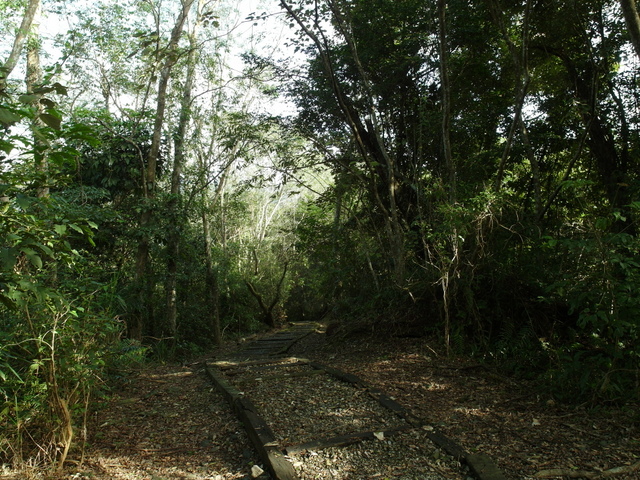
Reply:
x=406, y=456
x=301, y=404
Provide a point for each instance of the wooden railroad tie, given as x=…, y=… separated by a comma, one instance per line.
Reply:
x=274, y=455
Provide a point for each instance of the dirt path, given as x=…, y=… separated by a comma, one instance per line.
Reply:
x=529, y=435
x=168, y=422
x=313, y=422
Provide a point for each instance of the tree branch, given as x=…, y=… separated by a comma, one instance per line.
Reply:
x=19, y=41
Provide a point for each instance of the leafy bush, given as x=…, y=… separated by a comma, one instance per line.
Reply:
x=600, y=280
x=59, y=323
x=58, y=319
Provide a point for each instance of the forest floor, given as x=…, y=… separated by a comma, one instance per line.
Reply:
x=168, y=422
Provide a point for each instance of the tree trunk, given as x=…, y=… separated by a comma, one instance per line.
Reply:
x=449, y=268
x=173, y=207
x=382, y=181
x=34, y=80
x=446, y=100
x=267, y=310
x=142, y=316
x=212, y=282
x=520, y=63
x=170, y=59
x=601, y=140
x=213, y=289
x=632, y=20
x=18, y=43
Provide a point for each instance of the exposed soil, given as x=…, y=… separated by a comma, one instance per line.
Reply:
x=168, y=422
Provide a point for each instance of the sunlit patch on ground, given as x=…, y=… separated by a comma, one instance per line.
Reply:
x=477, y=412
x=134, y=468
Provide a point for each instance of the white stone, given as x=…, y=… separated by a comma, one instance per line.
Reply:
x=256, y=471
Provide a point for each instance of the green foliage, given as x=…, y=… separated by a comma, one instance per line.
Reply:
x=125, y=356
x=58, y=311
x=520, y=353
x=599, y=281
x=528, y=257
x=116, y=158
x=59, y=323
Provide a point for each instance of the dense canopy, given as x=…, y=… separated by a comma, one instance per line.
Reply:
x=174, y=173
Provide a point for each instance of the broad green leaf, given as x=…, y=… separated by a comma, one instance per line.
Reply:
x=35, y=260
x=43, y=90
x=76, y=228
x=7, y=302
x=8, y=258
x=33, y=257
x=48, y=103
x=28, y=99
x=24, y=202
x=60, y=229
x=8, y=118
x=45, y=249
x=51, y=121
x=60, y=89
x=6, y=147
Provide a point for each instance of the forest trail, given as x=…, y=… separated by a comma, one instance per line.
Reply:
x=169, y=422
x=311, y=421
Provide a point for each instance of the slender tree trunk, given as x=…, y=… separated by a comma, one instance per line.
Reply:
x=601, y=139
x=170, y=59
x=382, y=181
x=173, y=207
x=632, y=19
x=520, y=60
x=33, y=80
x=446, y=101
x=212, y=281
x=520, y=63
x=451, y=265
x=143, y=316
x=18, y=43
x=213, y=288
x=267, y=310
x=377, y=149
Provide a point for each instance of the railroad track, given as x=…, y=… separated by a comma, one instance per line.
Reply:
x=294, y=408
